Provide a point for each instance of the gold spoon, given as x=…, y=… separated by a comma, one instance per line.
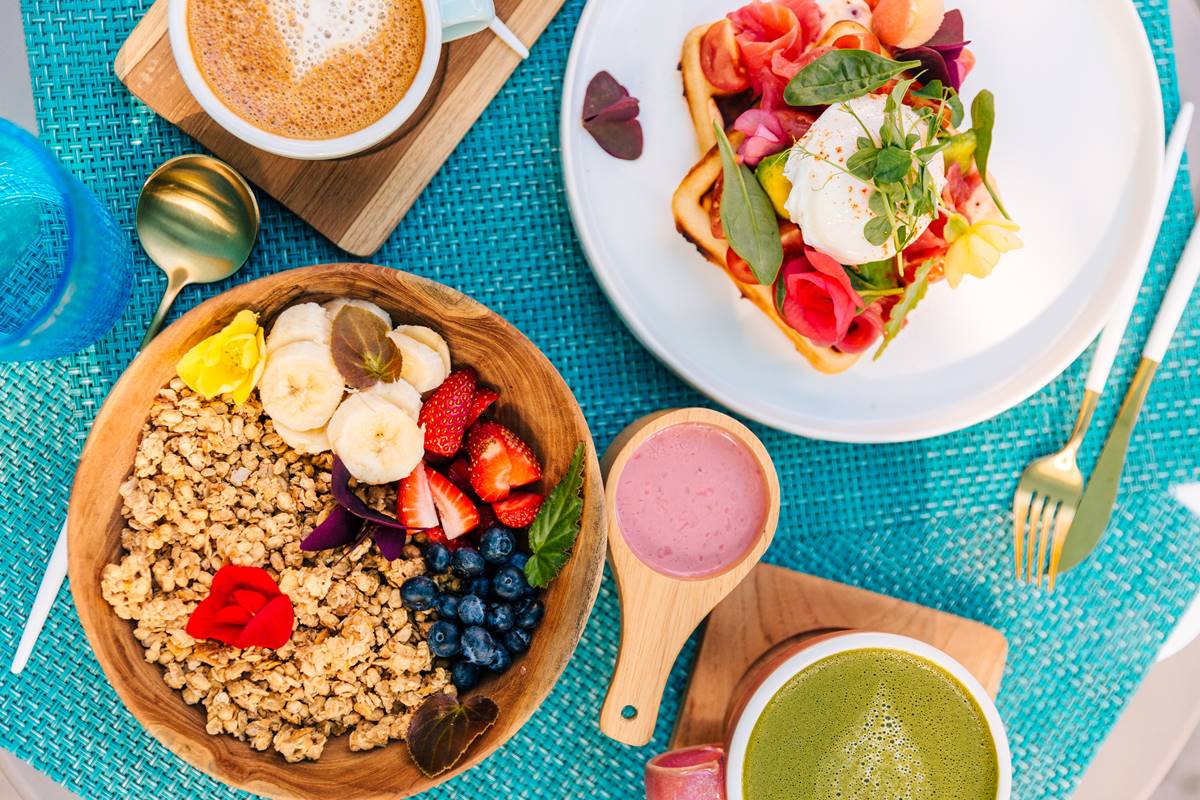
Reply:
x=197, y=220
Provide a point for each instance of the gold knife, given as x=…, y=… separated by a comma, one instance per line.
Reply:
x=1100, y=497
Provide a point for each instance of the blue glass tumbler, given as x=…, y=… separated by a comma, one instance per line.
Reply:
x=65, y=267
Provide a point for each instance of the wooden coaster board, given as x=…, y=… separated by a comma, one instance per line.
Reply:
x=774, y=604
x=356, y=201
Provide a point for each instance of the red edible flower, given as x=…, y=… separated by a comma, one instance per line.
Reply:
x=244, y=608
x=818, y=299
x=770, y=132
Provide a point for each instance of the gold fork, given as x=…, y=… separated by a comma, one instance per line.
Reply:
x=1051, y=488
x=1046, y=500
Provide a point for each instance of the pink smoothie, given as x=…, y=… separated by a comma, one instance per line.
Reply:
x=691, y=501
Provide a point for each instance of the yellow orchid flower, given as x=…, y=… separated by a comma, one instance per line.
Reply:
x=975, y=248
x=228, y=363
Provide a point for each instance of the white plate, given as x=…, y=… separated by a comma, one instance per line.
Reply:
x=1078, y=151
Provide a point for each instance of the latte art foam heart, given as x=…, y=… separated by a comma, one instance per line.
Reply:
x=308, y=69
x=315, y=30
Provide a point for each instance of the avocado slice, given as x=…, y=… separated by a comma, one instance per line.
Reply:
x=774, y=182
x=961, y=151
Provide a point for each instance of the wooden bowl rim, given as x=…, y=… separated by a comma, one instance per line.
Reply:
x=594, y=527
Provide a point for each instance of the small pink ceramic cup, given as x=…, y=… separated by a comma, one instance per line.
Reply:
x=715, y=772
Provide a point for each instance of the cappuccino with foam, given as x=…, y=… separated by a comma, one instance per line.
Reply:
x=308, y=69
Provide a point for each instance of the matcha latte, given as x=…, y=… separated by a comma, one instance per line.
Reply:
x=871, y=723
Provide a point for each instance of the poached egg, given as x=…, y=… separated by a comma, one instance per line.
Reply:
x=830, y=205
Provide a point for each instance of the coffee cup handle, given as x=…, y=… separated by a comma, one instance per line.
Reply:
x=465, y=17
x=693, y=773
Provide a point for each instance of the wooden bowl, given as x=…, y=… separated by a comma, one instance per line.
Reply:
x=536, y=402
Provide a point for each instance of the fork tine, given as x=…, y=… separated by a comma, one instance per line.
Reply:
x=1062, y=527
x=1052, y=506
x=1037, y=505
x=1021, y=501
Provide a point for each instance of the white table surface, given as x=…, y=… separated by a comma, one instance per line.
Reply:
x=1160, y=717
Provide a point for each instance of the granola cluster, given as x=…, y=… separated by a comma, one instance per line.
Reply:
x=214, y=484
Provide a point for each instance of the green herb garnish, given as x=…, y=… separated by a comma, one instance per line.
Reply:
x=554, y=530
x=842, y=75
x=748, y=216
x=983, y=121
x=914, y=293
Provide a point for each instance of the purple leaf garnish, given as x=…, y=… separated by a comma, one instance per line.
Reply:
x=345, y=496
x=610, y=116
x=338, y=529
x=442, y=730
x=939, y=55
x=390, y=541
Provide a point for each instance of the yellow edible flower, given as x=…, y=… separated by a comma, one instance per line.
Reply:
x=229, y=362
x=975, y=248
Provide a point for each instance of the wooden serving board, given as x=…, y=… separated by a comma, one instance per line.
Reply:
x=774, y=604
x=356, y=201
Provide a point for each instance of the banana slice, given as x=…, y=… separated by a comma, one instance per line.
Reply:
x=311, y=442
x=430, y=338
x=334, y=306
x=378, y=442
x=301, y=387
x=400, y=394
x=305, y=322
x=422, y=366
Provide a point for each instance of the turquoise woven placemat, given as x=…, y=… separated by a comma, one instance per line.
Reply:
x=924, y=521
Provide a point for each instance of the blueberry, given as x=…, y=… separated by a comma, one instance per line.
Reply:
x=444, y=639
x=509, y=583
x=499, y=617
x=470, y=610
x=517, y=640
x=501, y=660
x=480, y=587
x=468, y=563
x=529, y=613
x=497, y=544
x=519, y=560
x=437, y=558
x=446, y=606
x=464, y=675
x=478, y=646
x=419, y=593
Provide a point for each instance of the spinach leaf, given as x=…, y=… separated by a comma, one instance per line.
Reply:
x=748, y=216
x=842, y=75
x=914, y=293
x=983, y=121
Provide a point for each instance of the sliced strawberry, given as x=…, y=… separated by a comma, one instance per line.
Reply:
x=484, y=397
x=459, y=474
x=456, y=511
x=445, y=413
x=491, y=467
x=519, y=510
x=414, y=501
x=525, y=466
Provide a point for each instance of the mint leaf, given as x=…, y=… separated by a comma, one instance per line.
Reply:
x=554, y=530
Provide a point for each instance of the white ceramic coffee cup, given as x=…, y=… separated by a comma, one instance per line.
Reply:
x=445, y=20
x=702, y=771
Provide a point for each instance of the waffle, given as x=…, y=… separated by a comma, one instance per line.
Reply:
x=692, y=202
